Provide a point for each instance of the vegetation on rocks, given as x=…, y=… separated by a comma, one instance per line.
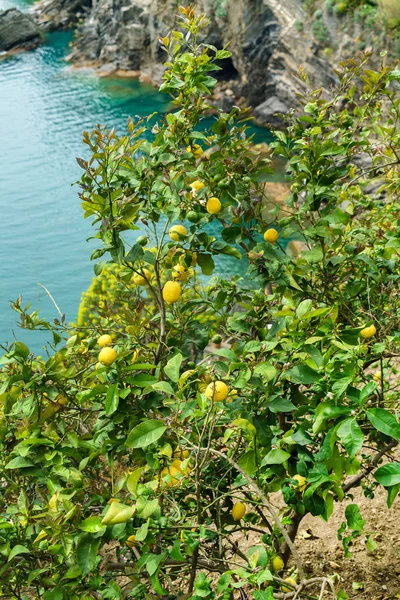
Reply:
x=133, y=466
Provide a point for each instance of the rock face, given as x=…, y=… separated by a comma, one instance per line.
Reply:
x=17, y=30
x=266, y=44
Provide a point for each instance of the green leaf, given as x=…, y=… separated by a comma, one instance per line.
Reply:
x=351, y=435
x=92, y=525
x=248, y=462
x=53, y=595
x=163, y=386
x=303, y=308
x=388, y=475
x=134, y=254
x=384, y=422
x=145, y=433
x=392, y=491
x=276, y=456
x=354, y=518
x=141, y=533
x=17, y=550
x=327, y=412
x=265, y=370
x=19, y=463
x=206, y=263
x=112, y=400
x=143, y=380
x=277, y=405
x=86, y=553
x=302, y=374
x=118, y=513
x=133, y=480
x=172, y=368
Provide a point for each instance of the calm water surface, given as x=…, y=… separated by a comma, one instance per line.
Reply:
x=44, y=107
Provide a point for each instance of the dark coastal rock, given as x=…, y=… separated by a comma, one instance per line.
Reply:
x=17, y=30
x=266, y=112
x=266, y=44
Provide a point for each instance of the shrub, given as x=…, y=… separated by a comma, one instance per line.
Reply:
x=130, y=465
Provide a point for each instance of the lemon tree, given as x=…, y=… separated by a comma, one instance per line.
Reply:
x=138, y=455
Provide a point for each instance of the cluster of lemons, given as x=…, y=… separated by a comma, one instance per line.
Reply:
x=103, y=294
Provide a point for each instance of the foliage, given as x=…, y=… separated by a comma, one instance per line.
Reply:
x=119, y=479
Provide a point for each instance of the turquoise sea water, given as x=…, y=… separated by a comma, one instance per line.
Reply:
x=44, y=107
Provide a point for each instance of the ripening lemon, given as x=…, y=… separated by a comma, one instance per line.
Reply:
x=177, y=233
x=277, y=564
x=238, y=511
x=213, y=206
x=179, y=273
x=217, y=391
x=197, y=185
x=131, y=541
x=107, y=356
x=171, y=292
x=195, y=149
x=141, y=279
x=368, y=332
x=271, y=236
x=104, y=340
x=292, y=581
x=301, y=482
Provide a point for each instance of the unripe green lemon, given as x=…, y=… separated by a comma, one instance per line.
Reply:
x=271, y=236
x=104, y=340
x=238, y=511
x=142, y=240
x=217, y=391
x=107, y=356
x=178, y=233
x=368, y=332
x=213, y=206
x=171, y=292
x=193, y=216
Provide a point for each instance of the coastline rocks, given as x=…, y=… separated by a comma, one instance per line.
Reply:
x=263, y=35
x=17, y=30
x=265, y=113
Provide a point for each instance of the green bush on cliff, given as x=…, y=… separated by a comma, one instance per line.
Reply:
x=133, y=466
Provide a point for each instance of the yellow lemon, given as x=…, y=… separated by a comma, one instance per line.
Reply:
x=292, y=581
x=179, y=273
x=277, y=564
x=238, y=511
x=217, y=391
x=213, y=206
x=107, y=356
x=104, y=340
x=141, y=279
x=195, y=149
x=131, y=541
x=171, y=292
x=271, y=236
x=368, y=332
x=378, y=377
x=178, y=233
x=180, y=453
x=301, y=482
x=174, y=476
x=197, y=185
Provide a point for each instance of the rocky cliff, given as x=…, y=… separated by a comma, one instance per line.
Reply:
x=269, y=40
x=17, y=30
